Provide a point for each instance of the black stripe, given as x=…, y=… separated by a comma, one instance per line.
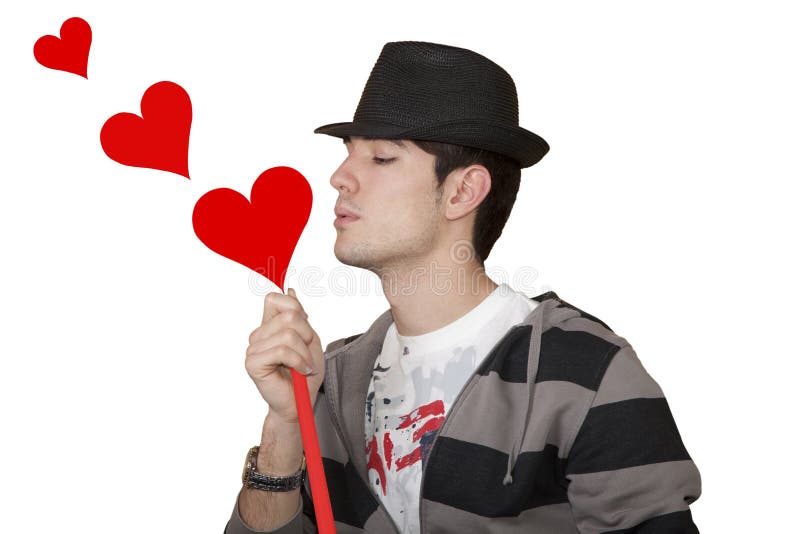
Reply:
x=546, y=296
x=469, y=477
x=351, y=501
x=566, y=355
x=672, y=523
x=565, y=304
x=574, y=356
x=509, y=357
x=626, y=434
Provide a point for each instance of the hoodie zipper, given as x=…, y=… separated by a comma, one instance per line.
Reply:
x=467, y=384
x=340, y=435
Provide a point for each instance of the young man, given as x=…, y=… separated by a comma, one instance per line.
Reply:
x=466, y=406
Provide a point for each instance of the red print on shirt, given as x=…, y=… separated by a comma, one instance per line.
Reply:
x=387, y=450
x=426, y=421
x=374, y=462
x=429, y=418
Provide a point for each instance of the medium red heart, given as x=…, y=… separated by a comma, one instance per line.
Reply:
x=70, y=53
x=159, y=139
x=261, y=233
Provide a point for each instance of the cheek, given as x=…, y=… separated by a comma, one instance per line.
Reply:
x=406, y=198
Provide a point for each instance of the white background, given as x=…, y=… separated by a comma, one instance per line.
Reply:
x=666, y=207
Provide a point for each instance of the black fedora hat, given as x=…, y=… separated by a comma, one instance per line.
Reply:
x=436, y=92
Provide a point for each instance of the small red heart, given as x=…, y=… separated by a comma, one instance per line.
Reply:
x=159, y=139
x=70, y=53
x=261, y=233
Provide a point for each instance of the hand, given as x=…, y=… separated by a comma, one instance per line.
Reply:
x=284, y=340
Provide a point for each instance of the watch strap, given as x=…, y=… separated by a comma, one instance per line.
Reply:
x=262, y=481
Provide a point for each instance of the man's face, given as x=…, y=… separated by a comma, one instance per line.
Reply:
x=391, y=186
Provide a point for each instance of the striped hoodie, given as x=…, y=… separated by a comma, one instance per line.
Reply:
x=559, y=429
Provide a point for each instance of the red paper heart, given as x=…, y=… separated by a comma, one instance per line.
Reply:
x=261, y=233
x=159, y=139
x=70, y=53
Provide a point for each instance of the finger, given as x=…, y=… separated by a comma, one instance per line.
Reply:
x=288, y=338
x=275, y=303
x=290, y=320
x=285, y=355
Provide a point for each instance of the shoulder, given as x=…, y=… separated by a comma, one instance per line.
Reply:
x=574, y=330
x=341, y=342
x=577, y=346
x=333, y=346
x=623, y=396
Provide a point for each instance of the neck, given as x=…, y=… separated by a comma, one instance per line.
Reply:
x=424, y=299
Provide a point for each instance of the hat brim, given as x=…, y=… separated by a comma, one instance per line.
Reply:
x=518, y=143
x=362, y=129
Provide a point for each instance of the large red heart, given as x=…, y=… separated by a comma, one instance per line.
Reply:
x=159, y=139
x=261, y=233
x=70, y=53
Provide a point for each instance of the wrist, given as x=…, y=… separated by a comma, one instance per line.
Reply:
x=278, y=429
x=281, y=450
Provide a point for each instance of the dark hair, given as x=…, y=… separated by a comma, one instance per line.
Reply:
x=494, y=210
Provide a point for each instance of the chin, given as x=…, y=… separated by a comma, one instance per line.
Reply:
x=344, y=254
x=353, y=255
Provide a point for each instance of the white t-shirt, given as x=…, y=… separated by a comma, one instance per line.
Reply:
x=414, y=383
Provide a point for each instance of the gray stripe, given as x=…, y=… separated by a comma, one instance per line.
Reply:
x=550, y=519
x=641, y=492
x=559, y=408
x=344, y=528
x=334, y=345
x=329, y=444
x=626, y=378
x=555, y=316
x=380, y=521
x=591, y=327
x=347, y=374
x=236, y=524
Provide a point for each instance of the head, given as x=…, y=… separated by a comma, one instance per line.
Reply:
x=416, y=200
x=419, y=198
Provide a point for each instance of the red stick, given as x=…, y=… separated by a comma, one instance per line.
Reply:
x=308, y=431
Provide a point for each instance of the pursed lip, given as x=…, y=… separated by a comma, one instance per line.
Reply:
x=342, y=212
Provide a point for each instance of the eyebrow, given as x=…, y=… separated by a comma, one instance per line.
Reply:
x=398, y=142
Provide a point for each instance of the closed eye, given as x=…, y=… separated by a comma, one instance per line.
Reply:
x=383, y=161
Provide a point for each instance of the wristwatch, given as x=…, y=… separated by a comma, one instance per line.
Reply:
x=253, y=479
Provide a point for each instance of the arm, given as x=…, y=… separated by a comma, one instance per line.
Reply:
x=284, y=340
x=628, y=469
x=281, y=453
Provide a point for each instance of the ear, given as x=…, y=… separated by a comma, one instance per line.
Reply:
x=469, y=186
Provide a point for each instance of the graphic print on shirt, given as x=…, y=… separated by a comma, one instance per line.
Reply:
x=426, y=419
x=422, y=424
x=400, y=439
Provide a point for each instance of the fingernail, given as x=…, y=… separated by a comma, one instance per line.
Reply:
x=309, y=371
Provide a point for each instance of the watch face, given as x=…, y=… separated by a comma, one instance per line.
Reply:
x=248, y=466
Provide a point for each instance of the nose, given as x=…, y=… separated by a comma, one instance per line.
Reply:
x=343, y=178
